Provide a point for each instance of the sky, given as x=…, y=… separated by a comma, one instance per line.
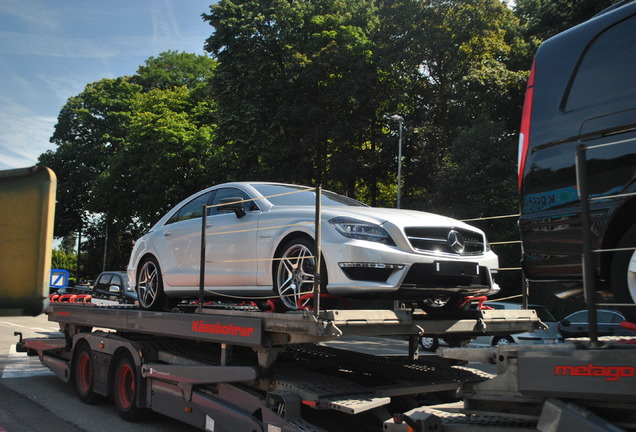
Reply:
x=51, y=49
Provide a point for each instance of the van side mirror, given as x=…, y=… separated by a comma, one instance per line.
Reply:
x=232, y=204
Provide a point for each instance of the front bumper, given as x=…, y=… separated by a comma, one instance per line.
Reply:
x=358, y=268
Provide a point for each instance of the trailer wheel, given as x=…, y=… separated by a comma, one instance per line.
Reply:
x=294, y=273
x=150, y=286
x=84, y=375
x=125, y=388
x=623, y=273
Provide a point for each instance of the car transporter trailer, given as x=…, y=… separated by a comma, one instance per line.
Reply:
x=245, y=370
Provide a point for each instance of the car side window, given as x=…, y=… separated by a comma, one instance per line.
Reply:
x=117, y=281
x=579, y=317
x=192, y=209
x=232, y=193
x=103, y=280
x=604, y=75
x=604, y=317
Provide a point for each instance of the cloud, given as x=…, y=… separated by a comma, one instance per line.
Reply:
x=23, y=137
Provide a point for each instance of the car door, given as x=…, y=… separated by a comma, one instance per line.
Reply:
x=231, y=242
x=179, y=243
x=579, y=325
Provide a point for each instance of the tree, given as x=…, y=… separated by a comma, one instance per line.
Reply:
x=545, y=18
x=91, y=128
x=63, y=260
x=174, y=69
x=294, y=87
x=110, y=137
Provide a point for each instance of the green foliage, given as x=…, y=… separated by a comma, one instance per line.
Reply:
x=545, y=18
x=174, y=69
x=129, y=148
x=63, y=260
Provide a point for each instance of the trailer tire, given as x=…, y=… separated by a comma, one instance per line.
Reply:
x=126, y=386
x=84, y=374
x=150, y=286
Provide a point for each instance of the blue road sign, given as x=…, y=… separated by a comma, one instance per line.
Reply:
x=59, y=278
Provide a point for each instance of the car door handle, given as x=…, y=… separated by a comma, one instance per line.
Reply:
x=167, y=233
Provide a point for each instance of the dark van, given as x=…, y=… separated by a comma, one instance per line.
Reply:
x=582, y=91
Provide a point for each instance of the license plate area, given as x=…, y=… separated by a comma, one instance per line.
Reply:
x=453, y=268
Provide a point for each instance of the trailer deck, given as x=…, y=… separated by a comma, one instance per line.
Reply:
x=228, y=370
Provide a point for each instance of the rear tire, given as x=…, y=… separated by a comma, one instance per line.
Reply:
x=126, y=388
x=84, y=375
x=623, y=274
x=150, y=286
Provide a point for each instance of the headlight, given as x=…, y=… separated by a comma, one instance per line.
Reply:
x=361, y=230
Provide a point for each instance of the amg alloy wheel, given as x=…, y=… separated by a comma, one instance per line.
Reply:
x=150, y=286
x=294, y=273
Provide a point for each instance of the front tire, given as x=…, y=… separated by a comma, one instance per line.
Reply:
x=294, y=273
x=623, y=274
x=150, y=286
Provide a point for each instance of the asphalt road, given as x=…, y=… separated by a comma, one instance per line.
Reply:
x=33, y=399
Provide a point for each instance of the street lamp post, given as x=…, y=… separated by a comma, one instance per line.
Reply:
x=400, y=120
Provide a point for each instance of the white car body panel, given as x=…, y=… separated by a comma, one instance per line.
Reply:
x=239, y=251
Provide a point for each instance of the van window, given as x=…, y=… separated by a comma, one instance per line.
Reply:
x=603, y=74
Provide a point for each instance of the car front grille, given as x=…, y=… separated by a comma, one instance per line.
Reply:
x=443, y=239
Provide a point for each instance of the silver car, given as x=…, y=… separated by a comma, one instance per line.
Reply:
x=260, y=244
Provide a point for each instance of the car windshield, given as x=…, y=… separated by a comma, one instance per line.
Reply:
x=274, y=192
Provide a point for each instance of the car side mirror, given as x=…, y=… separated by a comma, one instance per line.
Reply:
x=232, y=204
x=113, y=289
x=565, y=323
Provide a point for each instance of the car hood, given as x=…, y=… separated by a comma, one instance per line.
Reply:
x=398, y=217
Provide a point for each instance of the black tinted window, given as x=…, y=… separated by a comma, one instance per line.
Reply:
x=607, y=70
x=117, y=281
x=103, y=279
